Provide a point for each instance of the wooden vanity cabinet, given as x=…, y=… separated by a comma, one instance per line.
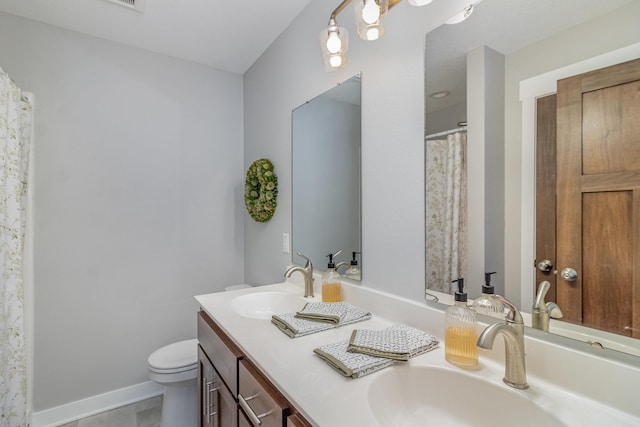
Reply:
x=217, y=406
x=296, y=420
x=223, y=352
x=260, y=403
x=233, y=392
x=218, y=375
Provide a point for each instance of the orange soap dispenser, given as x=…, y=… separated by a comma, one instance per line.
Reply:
x=331, y=287
x=461, y=332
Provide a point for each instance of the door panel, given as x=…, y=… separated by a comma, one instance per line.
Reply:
x=598, y=187
x=610, y=127
x=597, y=190
x=569, y=196
x=608, y=262
x=546, y=191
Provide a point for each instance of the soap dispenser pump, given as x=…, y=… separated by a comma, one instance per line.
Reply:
x=353, y=272
x=331, y=288
x=461, y=331
x=488, y=304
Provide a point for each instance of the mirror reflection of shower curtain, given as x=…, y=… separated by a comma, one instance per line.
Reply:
x=445, y=211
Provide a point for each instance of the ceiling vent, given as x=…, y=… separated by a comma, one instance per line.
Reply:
x=130, y=4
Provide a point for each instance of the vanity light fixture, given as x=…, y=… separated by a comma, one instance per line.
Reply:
x=369, y=17
x=463, y=14
x=334, y=42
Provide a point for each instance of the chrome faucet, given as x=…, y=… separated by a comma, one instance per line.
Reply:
x=342, y=264
x=541, y=311
x=307, y=273
x=513, y=331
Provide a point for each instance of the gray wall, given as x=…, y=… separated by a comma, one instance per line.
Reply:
x=138, y=202
x=291, y=72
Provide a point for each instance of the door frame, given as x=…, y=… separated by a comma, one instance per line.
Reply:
x=531, y=89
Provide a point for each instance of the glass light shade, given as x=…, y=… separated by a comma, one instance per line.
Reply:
x=461, y=16
x=334, y=42
x=419, y=2
x=370, y=12
x=369, y=16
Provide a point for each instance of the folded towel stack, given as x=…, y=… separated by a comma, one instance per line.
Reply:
x=331, y=312
x=354, y=365
x=399, y=342
x=369, y=351
x=324, y=317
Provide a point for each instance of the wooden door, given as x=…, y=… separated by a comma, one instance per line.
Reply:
x=546, y=193
x=598, y=198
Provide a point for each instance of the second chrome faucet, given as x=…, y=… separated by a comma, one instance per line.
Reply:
x=513, y=331
x=307, y=273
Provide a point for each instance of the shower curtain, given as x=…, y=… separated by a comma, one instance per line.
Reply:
x=445, y=210
x=16, y=116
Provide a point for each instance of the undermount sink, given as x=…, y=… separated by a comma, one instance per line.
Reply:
x=434, y=396
x=263, y=305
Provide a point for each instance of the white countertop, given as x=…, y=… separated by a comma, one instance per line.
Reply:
x=328, y=399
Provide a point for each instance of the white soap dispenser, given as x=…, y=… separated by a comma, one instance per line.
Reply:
x=353, y=272
x=488, y=304
x=461, y=332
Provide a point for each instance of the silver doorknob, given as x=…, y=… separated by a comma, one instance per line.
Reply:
x=545, y=265
x=569, y=274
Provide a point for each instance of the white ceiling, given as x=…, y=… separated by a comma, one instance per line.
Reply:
x=225, y=34
x=505, y=26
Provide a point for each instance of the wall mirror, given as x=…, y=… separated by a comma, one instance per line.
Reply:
x=521, y=24
x=326, y=199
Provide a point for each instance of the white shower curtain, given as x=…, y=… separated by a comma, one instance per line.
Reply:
x=445, y=211
x=16, y=117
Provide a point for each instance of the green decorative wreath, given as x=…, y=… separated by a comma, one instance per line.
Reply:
x=261, y=190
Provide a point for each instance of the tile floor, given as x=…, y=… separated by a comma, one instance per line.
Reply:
x=141, y=414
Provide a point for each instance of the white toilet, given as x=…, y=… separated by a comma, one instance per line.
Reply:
x=175, y=366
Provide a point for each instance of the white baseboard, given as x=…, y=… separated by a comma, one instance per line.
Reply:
x=96, y=404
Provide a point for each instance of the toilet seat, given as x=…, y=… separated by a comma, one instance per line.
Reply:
x=175, y=358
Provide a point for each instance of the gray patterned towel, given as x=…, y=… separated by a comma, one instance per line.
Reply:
x=354, y=365
x=398, y=342
x=295, y=327
x=330, y=312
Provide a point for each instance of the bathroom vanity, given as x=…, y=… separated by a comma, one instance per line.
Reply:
x=252, y=374
x=233, y=392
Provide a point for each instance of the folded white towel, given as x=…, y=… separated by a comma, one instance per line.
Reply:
x=354, y=365
x=400, y=342
x=331, y=312
x=296, y=327
x=370, y=353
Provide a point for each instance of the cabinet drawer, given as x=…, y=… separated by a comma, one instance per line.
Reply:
x=296, y=420
x=259, y=399
x=224, y=354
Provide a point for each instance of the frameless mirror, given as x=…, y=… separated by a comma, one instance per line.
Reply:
x=511, y=28
x=326, y=200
